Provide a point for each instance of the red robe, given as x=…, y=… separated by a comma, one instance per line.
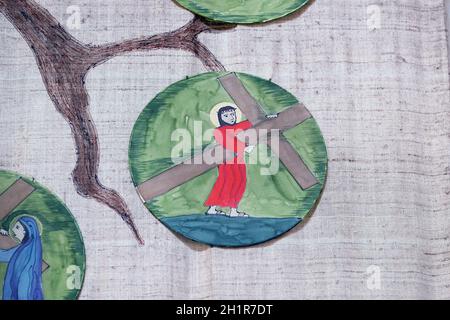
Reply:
x=231, y=182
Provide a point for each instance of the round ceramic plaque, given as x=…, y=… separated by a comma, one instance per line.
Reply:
x=242, y=11
x=42, y=253
x=227, y=159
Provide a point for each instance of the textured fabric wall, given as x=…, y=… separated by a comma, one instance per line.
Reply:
x=378, y=86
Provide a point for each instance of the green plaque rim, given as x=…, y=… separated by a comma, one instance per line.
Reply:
x=239, y=17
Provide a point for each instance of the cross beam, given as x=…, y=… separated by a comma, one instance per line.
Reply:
x=290, y=118
x=9, y=200
x=195, y=166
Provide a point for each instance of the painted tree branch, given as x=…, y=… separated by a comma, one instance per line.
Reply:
x=64, y=62
x=184, y=38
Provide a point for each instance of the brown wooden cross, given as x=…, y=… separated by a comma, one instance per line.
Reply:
x=9, y=200
x=195, y=166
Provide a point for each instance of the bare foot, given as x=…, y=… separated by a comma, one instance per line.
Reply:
x=215, y=212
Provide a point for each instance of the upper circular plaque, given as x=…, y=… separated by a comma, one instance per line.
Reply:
x=227, y=159
x=242, y=11
x=42, y=253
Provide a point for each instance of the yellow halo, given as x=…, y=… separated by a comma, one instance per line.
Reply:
x=14, y=221
x=213, y=113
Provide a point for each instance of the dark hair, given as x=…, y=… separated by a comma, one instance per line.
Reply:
x=222, y=111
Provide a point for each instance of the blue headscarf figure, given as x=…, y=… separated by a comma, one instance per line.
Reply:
x=23, y=280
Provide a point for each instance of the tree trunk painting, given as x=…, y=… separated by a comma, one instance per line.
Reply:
x=64, y=62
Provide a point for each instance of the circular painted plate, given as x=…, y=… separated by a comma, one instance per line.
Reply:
x=242, y=11
x=179, y=187
x=41, y=249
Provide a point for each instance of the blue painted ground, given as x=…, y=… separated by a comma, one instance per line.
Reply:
x=229, y=232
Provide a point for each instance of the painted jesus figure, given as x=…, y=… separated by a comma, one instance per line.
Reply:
x=232, y=180
x=231, y=183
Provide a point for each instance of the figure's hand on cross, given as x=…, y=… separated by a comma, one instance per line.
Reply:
x=249, y=149
x=3, y=232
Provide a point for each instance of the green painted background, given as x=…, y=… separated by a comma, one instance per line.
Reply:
x=61, y=239
x=242, y=11
x=190, y=100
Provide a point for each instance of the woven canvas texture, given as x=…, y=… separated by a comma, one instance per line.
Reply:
x=374, y=74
